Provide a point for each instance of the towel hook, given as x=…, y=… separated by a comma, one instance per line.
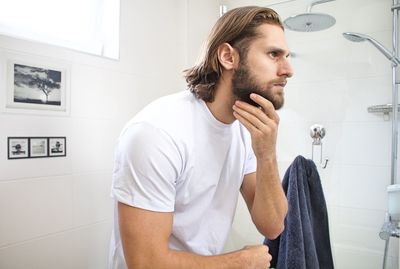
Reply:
x=317, y=132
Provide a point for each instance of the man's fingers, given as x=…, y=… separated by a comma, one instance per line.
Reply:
x=266, y=105
x=250, y=118
x=250, y=127
x=252, y=110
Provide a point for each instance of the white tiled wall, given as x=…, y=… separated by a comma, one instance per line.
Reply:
x=335, y=81
x=56, y=212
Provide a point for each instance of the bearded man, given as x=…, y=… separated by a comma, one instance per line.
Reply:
x=182, y=161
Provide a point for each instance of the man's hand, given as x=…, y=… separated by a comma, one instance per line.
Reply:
x=262, y=190
x=259, y=258
x=262, y=123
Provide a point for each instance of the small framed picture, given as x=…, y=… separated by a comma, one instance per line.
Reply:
x=18, y=147
x=36, y=85
x=38, y=147
x=57, y=146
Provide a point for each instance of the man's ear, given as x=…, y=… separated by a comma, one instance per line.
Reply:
x=228, y=56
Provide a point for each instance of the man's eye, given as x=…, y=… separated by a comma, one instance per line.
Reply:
x=273, y=54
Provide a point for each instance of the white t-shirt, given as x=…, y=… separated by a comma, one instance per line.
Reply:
x=174, y=156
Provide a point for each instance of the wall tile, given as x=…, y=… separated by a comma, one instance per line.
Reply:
x=92, y=202
x=356, y=258
x=82, y=248
x=92, y=144
x=34, y=208
x=101, y=93
x=358, y=184
x=359, y=143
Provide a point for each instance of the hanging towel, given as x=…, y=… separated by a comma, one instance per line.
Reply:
x=304, y=243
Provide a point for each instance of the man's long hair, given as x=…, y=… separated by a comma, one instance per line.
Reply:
x=237, y=27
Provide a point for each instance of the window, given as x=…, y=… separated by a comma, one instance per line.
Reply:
x=90, y=26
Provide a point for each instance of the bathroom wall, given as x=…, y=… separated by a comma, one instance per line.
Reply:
x=335, y=81
x=56, y=212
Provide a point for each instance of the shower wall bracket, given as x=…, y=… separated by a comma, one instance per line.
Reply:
x=390, y=228
x=385, y=109
x=395, y=7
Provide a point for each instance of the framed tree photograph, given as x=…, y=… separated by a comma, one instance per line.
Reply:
x=18, y=147
x=41, y=87
x=38, y=147
x=57, y=146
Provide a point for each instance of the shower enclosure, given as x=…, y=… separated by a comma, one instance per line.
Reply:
x=334, y=83
x=310, y=22
x=391, y=226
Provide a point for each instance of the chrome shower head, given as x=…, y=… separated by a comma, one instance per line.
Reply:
x=356, y=37
x=310, y=22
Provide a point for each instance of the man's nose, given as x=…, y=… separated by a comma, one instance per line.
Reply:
x=285, y=69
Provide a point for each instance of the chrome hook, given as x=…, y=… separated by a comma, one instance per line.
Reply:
x=317, y=133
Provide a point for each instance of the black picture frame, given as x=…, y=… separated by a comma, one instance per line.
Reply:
x=57, y=146
x=17, y=148
x=38, y=147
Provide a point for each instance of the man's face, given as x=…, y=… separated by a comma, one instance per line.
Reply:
x=265, y=67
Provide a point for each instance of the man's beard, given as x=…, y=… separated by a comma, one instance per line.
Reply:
x=243, y=84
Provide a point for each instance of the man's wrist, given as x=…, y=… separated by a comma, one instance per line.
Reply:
x=265, y=160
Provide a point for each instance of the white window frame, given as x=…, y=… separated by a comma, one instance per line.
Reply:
x=90, y=26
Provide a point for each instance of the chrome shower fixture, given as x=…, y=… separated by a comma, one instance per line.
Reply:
x=222, y=10
x=310, y=21
x=356, y=37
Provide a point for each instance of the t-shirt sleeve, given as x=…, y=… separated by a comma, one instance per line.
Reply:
x=147, y=166
x=251, y=162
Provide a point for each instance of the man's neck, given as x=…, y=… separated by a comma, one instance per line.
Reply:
x=221, y=107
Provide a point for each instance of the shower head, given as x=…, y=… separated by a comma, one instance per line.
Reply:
x=310, y=22
x=356, y=37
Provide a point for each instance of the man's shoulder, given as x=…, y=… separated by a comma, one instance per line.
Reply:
x=169, y=113
x=168, y=105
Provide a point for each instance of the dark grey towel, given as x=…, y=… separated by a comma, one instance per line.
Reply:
x=305, y=243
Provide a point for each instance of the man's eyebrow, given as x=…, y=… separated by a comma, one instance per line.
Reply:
x=279, y=50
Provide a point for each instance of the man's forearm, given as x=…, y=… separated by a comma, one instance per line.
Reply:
x=248, y=258
x=187, y=260
x=270, y=204
x=144, y=237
